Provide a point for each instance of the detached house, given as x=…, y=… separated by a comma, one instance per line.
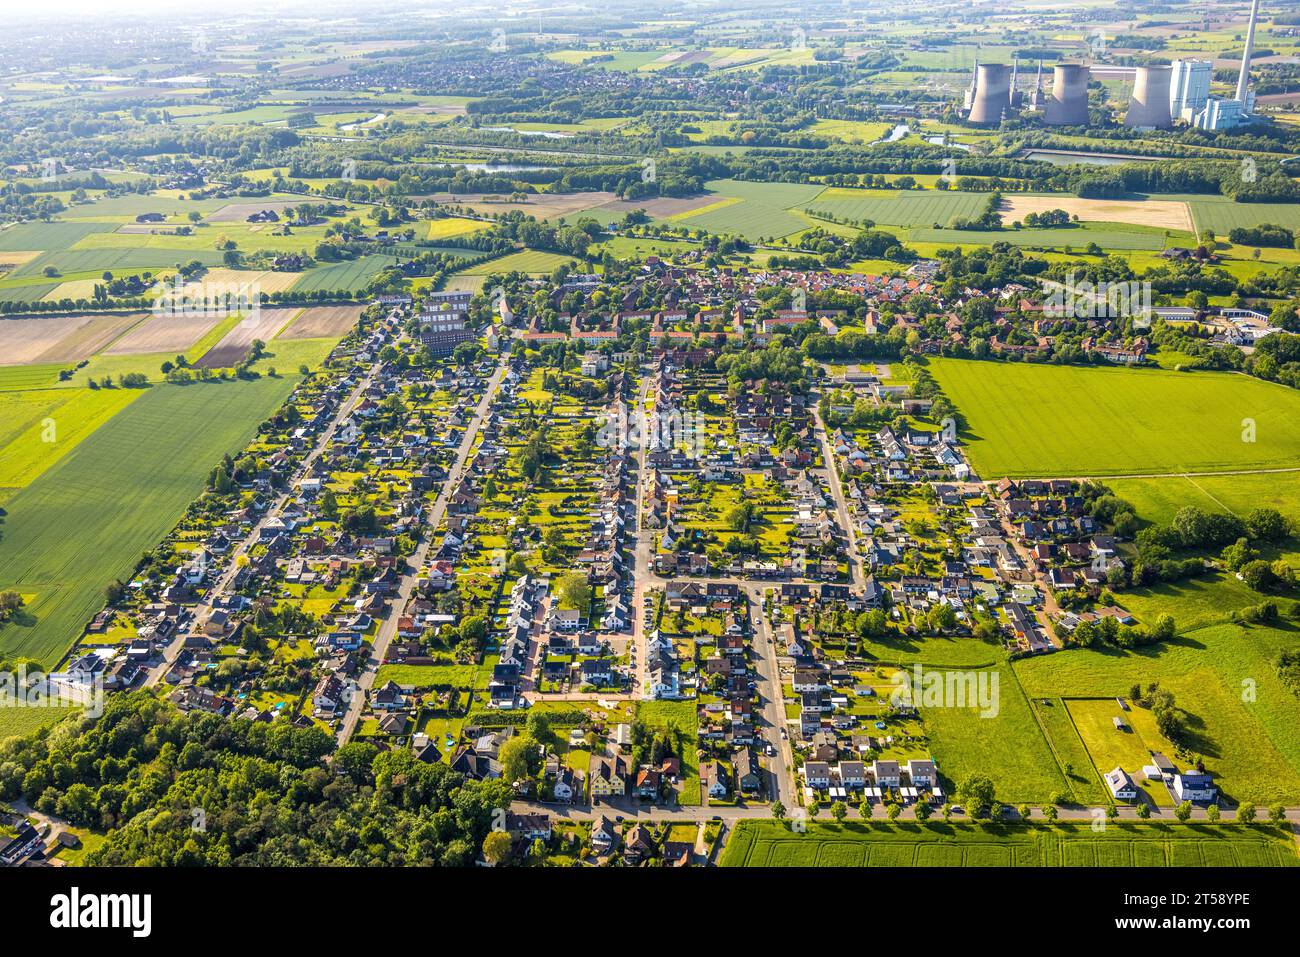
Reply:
x=608, y=777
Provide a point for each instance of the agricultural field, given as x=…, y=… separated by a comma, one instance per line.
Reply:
x=164, y=334
x=906, y=208
x=46, y=236
x=59, y=339
x=122, y=488
x=41, y=426
x=752, y=210
x=532, y=261
x=1116, y=236
x=1251, y=747
x=20, y=722
x=1162, y=214
x=322, y=322
x=1157, y=499
x=263, y=324
x=1117, y=421
x=1222, y=215
x=351, y=275
x=769, y=844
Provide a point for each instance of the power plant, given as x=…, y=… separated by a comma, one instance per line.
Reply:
x=1068, y=104
x=1243, y=79
x=989, y=97
x=1162, y=95
x=1149, y=107
x=1189, y=88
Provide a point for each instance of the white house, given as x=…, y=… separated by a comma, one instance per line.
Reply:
x=1121, y=785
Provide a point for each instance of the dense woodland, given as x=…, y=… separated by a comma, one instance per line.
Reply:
x=186, y=790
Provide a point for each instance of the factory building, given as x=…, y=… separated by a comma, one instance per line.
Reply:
x=1189, y=88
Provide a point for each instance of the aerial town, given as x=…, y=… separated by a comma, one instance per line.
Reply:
x=501, y=446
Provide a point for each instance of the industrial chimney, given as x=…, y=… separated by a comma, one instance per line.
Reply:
x=1149, y=107
x=1243, y=80
x=1068, y=104
x=992, y=97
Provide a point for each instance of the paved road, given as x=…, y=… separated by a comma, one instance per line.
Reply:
x=635, y=810
x=388, y=626
x=841, y=505
x=642, y=549
x=768, y=672
x=1050, y=608
x=222, y=585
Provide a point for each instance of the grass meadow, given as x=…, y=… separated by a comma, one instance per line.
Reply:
x=1045, y=420
x=858, y=844
x=87, y=519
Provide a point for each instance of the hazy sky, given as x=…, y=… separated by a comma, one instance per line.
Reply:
x=46, y=9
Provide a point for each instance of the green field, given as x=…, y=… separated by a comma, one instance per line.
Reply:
x=761, y=210
x=40, y=426
x=899, y=207
x=427, y=676
x=1045, y=420
x=117, y=259
x=345, y=275
x=29, y=377
x=532, y=261
x=1222, y=215
x=1008, y=747
x=25, y=291
x=20, y=722
x=88, y=518
x=55, y=235
x=1249, y=742
x=1157, y=499
x=769, y=844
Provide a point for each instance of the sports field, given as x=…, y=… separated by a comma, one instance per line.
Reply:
x=857, y=844
x=1027, y=419
x=88, y=518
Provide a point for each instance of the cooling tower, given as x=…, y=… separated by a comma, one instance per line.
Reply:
x=1149, y=107
x=1068, y=104
x=992, y=94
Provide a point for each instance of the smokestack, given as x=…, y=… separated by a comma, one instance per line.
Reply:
x=1149, y=107
x=1068, y=105
x=1243, y=80
x=992, y=93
